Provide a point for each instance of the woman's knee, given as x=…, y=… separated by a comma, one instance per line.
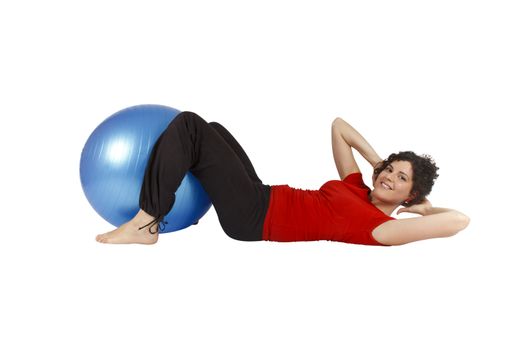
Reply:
x=188, y=120
x=215, y=124
x=189, y=116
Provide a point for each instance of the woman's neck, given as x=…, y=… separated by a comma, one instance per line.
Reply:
x=386, y=208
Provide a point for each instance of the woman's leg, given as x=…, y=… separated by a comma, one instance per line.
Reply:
x=232, y=142
x=189, y=143
x=237, y=148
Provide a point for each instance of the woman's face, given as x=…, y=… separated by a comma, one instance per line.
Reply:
x=394, y=183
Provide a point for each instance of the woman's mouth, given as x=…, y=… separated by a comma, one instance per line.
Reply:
x=385, y=186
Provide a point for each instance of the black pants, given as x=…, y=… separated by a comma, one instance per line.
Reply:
x=224, y=170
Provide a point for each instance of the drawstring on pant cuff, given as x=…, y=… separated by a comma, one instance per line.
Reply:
x=160, y=227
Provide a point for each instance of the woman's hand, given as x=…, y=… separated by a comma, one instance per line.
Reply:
x=421, y=208
x=377, y=164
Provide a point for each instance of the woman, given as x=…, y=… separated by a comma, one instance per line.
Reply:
x=343, y=210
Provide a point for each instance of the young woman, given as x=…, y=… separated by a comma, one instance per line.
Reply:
x=343, y=210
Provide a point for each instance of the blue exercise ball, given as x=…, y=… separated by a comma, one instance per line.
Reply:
x=114, y=160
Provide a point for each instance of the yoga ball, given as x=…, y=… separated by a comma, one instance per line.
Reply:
x=113, y=162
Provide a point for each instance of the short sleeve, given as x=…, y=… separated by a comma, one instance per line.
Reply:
x=355, y=179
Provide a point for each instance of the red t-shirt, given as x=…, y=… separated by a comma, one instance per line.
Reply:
x=339, y=211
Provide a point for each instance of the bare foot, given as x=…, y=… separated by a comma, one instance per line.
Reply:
x=130, y=233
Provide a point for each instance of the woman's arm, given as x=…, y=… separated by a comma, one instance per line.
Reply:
x=344, y=137
x=424, y=208
x=434, y=223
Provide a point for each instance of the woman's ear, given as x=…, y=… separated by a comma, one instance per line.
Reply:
x=410, y=198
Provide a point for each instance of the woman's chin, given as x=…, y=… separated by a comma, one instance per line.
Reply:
x=379, y=195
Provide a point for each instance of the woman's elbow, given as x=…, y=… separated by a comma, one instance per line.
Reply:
x=336, y=121
x=462, y=221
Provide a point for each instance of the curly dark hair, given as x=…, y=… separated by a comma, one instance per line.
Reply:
x=424, y=173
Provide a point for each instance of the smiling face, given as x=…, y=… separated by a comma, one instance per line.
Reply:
x=394, y=183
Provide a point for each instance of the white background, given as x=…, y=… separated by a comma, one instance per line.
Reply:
x=444, y=78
